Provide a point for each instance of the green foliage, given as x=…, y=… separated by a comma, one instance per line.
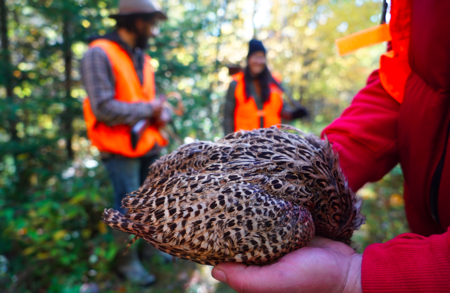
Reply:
x=58, y=232
x=384, y=210
x=52, y=185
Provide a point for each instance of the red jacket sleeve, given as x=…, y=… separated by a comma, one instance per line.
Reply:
x=408, y=263
x=365, y=136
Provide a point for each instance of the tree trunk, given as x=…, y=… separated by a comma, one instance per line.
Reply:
x=215, y=83
x=255, y=5
x=6, y=68
x=67, y=118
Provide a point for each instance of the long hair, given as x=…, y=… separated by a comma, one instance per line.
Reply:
x=265, y=78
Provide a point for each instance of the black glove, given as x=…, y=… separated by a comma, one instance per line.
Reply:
x=300, y=113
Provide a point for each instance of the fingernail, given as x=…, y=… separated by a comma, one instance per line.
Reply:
x=219, y=275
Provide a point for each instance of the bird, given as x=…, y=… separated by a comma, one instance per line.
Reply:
x=250, y=197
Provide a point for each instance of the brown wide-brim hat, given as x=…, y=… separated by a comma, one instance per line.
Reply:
x=140, y=7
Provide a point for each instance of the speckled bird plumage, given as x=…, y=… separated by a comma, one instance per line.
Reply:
x=250, y=197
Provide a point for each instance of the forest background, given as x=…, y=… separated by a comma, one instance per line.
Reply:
x=53, y=187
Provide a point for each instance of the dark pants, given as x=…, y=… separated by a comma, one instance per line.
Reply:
x=127, y=175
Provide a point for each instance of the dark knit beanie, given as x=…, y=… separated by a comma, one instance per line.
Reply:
x=255, y=46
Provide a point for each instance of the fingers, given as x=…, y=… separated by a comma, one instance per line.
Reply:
x=237, y=276
x=251, y=279
x=322, y=266
x=157, y=107
x=175, y=95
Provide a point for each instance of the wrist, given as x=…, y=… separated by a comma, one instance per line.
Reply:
x=353, y=282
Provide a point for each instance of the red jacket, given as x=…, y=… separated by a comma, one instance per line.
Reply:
x=376, y=132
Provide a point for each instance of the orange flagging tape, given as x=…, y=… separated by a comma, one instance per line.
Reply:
x=364, y=38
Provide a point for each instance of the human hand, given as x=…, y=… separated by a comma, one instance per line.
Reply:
x=179, y=110
x=175, y=95
x=300, y=113
x=164, y=117
x=157, y=105
x=322, y=266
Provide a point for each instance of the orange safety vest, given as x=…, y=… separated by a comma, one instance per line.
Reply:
x=394, y=65
x=117, y=139
x=246, y=114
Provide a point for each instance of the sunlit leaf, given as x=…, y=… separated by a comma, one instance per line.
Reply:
x=59, y=235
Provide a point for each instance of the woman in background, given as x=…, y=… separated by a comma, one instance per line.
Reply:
x=254, y=98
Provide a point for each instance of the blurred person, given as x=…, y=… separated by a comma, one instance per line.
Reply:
x=119, y=81
x=401, y=116
x=254, y=97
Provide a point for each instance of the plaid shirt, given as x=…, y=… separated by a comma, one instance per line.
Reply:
x=99, y=81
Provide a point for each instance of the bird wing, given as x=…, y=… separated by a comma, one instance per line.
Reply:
x=225, y=219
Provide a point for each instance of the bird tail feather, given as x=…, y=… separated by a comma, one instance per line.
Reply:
x=117, y=221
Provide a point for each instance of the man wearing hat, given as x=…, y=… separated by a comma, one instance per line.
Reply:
x=119, y=81
x=254, y=97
